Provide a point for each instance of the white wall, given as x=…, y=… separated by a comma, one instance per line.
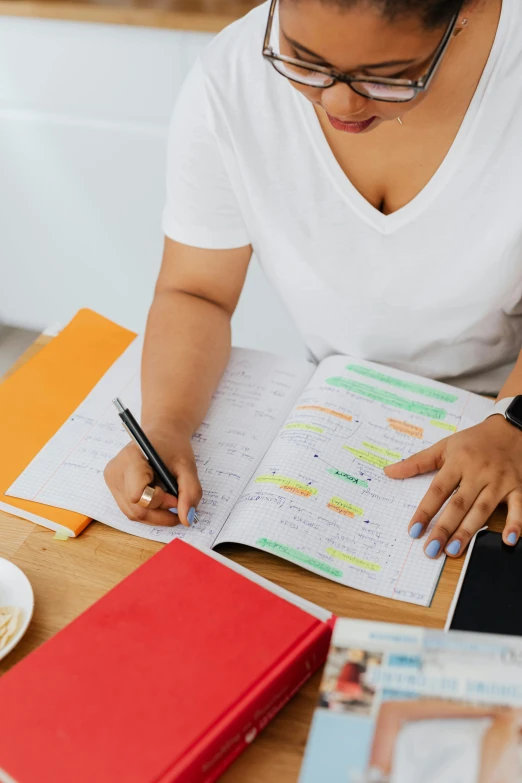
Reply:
x=84, y=111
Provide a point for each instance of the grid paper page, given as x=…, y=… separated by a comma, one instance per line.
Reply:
x=320, y=497
x=249, y=406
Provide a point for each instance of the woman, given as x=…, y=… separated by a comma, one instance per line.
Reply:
x=371, y=158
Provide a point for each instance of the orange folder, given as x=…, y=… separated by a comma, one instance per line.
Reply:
x=39, y=397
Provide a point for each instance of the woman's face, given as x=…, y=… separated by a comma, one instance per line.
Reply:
x=356, y=40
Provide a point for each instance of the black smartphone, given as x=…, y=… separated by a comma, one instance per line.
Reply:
x=489, y=595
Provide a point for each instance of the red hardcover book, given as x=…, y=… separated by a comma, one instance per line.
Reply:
x=166, y=678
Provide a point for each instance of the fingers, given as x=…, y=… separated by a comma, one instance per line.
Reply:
x=157, y=495
x=441, y=488
x=466, y=513
x=189, y=495
x=513, y=528
x=189, y=488
x=161, y=511
x=133, y=478
x=478, y=469
x=137, y=474
x=423, y=462
x=128, y=474
x=156, y=517
x=484, y=505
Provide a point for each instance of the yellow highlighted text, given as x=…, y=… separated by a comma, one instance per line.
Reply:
x=288, y=484
x=444, y=426
x=301, y=426
x=383, y=451
x=345, y=507
x=355, y=561
x=371, y=459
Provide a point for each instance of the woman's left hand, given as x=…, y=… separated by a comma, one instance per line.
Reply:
x=478, y=468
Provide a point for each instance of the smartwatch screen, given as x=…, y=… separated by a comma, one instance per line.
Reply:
x=514, y=412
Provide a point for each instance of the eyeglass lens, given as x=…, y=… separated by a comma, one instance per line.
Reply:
x=311, y=78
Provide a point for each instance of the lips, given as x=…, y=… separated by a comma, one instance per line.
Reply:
x=351, y=127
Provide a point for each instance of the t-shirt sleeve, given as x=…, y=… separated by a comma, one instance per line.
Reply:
x=201, y=208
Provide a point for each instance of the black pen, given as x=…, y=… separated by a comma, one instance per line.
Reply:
x=162, y=473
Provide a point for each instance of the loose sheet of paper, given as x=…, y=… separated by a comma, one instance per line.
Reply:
x=249, y=406
x=320, y=497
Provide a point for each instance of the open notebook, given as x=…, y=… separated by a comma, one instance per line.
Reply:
x=290, y=458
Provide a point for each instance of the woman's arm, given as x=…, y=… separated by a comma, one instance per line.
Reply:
x=513, y=384
x=187, y=346
x=499, y=756
x=187, y=340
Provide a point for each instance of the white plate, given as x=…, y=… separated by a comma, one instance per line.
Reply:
x=15, y=590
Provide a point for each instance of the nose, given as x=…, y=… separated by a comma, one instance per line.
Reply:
x=342, y=102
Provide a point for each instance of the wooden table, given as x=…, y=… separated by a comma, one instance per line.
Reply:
x=68, y=576
x=209, y=16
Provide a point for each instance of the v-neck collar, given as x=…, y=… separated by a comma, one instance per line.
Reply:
x=386, y=224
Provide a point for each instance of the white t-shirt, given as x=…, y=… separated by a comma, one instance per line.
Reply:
x=439, y=751
x=434, y=288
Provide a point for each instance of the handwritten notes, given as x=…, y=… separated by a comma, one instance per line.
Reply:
x=346, y=477
x=355, y=561
x=435, y=392
x=288, y=484
x=248, y=408
x=290, y=459
x=344, y=507
x=347, y=519
x=373, y=392
x=406, y=427
x=321, y=409
x=297, y=556
x=367, y=456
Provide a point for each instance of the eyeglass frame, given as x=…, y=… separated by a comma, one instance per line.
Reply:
x=418, y=85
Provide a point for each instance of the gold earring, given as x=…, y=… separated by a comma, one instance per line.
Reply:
x=461, y=27
x=399, y=120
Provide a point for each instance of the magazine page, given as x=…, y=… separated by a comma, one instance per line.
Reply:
x=401, y=704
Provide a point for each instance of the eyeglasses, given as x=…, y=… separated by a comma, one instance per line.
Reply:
x=378, y=88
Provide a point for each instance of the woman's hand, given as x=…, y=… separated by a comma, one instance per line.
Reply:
x=129, y=473
x=478, y=468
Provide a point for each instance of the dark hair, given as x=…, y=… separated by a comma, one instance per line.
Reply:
x=434, y=13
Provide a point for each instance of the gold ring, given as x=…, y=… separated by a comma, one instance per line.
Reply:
x=146, y=497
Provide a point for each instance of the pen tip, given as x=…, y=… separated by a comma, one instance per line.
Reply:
x=119, y=405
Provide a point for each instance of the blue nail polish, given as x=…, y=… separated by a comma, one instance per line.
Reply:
x=512, y=538
x=416, y=530
x=191, y=514
x=453, y=548
x=432, y=550
x=173, y=510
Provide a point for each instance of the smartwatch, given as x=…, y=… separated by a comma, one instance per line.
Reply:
x=510, y=408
